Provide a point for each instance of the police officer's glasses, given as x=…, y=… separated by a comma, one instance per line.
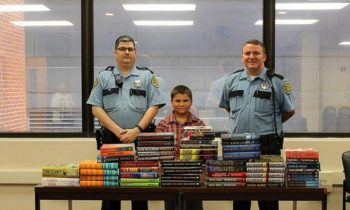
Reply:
x=124, y=49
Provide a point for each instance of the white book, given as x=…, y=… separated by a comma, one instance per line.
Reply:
x=56, y=181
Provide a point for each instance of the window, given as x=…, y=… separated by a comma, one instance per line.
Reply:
x=197, y=54
x=314, y=56
x=40, y=66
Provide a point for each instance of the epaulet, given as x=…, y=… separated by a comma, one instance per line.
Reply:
x=278, y=76
x=238, y=71
x=109, y=68
x=144, y=69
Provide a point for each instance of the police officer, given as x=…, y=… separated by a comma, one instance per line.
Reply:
x=258, y=102
x=125, y=100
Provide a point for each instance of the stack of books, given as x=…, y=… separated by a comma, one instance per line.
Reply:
x=303, y=167
x=155, y=146
x=93, y=173
x=177, y=173
x=60, y=175
x=198, y=144
x=225, y=173
x=139, y=174
x=116, y=152
x=240, y=146
x=266, y=173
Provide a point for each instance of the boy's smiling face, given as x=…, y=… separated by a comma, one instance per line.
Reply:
x=181, y=104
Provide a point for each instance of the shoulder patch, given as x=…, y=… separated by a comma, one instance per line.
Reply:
x=154, y=81
x=95, y=83
x=287, y=88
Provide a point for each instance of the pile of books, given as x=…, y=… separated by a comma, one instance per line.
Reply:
x=181, y=173
x=265, y=173
x=240, y=146
x=155, y=146
x=225, y=173
x=116, y=152
x=198, y=144
x=303, y=167
x=93, y=173
x=139, y=174
x=60, y=175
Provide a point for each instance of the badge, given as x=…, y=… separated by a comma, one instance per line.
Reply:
x=95, y=83
x=137, y=83
x=287, y=88
x=154, y=82
x=265, y=86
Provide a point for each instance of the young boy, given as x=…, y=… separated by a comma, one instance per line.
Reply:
x=181, y=100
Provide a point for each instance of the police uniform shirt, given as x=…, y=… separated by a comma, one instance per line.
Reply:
x=250, y=102
x=127, y=104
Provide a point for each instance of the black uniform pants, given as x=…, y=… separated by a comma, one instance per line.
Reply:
x=263, y=205
x=269, y=145
x=109, y=138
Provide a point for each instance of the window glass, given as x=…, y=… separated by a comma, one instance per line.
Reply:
x=313, y=56
x=196, y=55
x=40, y=66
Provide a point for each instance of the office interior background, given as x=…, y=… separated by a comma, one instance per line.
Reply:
x=44, y=63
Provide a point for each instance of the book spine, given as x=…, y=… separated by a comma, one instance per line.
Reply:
x=182, y=171
x=52, y=181
x=137, y=180
x=139, y=169
x=98, y=178
x=179, y=164
x=150, y=154
x=238, y=148
x=92, y=165
x=228, y=174
x=126, y=184
x=225, y=179
x=144, y=149
x=139, y=164
x=174, y=177
x=226, y=168
x=225, y=184
x=139, y=175
x=98, y=183
x=117, y=153
x=60, y=172
x=154, y=143
x=171, y=157
x=177, y=184
x=225, y=162
x=95, y=172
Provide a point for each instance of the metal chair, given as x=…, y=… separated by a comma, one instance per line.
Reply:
x=346, y=182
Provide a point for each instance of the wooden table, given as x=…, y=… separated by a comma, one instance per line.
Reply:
x=179, y=194
x=255, y=193
x=103, y=193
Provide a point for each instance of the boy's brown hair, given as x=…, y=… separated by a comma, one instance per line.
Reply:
x=181, y=89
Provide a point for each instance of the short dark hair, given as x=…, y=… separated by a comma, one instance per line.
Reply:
x=181, y=89
x=124, y=38
x=255, y=42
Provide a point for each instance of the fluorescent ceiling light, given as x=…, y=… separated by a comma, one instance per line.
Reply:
x=310, y=6
x=159, y=7
x=344, y=43
x=23, y=8
x=42, y=23
x=162, y=23
x=290, y=22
